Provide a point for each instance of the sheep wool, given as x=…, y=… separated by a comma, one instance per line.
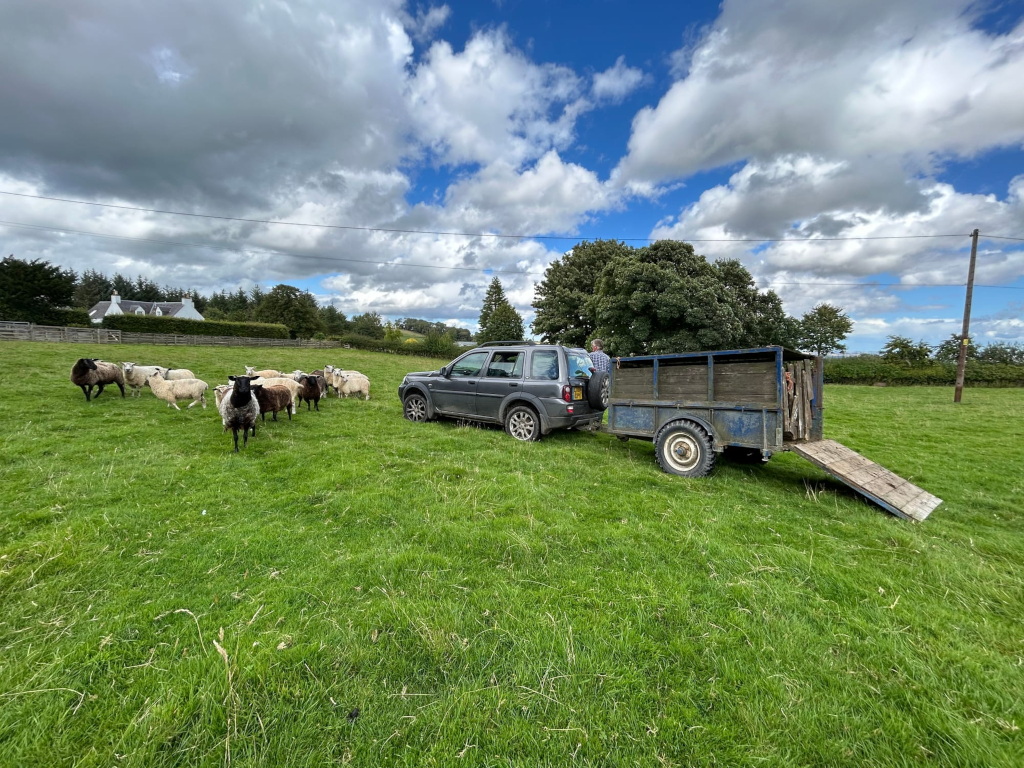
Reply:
x=239, y=409
x=179, y=389
x=88, y=372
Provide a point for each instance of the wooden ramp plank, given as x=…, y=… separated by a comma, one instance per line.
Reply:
x=885, y=488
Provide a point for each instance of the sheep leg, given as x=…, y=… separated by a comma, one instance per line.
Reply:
x=175, y=405
x=119, y=384
x=234, y=434
x=100, y=390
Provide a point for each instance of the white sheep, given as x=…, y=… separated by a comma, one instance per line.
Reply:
x=353, y=383
x=219, y=391
x=178, y=389
x=135, y=375
x=269, y=373
x=334, y=379
x=173, y=374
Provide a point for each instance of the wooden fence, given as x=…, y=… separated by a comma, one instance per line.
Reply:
x=33, y=332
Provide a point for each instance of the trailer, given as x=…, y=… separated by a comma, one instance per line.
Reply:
x=694, y=406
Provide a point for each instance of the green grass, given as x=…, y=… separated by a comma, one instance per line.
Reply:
x=485, y=602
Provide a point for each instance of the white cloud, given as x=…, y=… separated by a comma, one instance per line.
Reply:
x=617, y=82
x=491, y=103
x=834, y=80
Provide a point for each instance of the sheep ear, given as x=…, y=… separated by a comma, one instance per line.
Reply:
x=231, y=378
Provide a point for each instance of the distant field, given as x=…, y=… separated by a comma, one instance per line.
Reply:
x=354, y=589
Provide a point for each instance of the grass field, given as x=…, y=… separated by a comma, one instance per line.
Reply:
x=355, y=589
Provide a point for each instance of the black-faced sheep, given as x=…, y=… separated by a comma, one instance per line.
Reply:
x=239, y=409
x=273, y=399
x=310, y=391
x=178, y=389
x=89, y=372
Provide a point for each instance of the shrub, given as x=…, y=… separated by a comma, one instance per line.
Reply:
x=177, y=325
x=873, y=369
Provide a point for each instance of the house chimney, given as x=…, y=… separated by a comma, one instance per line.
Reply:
x=186, y=300
x=115, y=298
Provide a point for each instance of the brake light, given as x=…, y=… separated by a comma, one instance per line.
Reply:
x=567, y=393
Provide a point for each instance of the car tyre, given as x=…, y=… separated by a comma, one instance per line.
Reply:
x=415, y=408
x=523, y=423
x=683, y=448
x=599, y=390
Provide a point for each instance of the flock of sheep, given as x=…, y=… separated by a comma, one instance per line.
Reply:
x=240, y=402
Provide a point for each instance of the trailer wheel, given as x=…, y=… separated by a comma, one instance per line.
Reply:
x=683, y=448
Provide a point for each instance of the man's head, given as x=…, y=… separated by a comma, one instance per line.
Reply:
x=597, y=344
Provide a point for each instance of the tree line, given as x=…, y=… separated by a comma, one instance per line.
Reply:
x=39, y=292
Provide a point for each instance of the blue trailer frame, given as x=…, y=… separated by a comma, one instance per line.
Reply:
x=693, y=406
x=748, y=413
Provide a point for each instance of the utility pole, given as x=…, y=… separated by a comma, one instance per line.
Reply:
x=961, y=361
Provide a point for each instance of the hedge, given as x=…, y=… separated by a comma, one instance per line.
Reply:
x=421, y=348
x=872, y=369
x=178, y=325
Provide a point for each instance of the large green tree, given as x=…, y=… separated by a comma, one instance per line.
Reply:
x=369, y=324
x=667, y=298
x=34, y=291
x=91, y=288
x=564, y=298
x=291, y=307
x=901, y=349
x=333, y=320
x=948, y=351
x=499, y=320
x=824, y=329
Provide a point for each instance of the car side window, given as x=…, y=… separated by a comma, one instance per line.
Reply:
x=544, y=364
x=506, y=365
x=470, y=365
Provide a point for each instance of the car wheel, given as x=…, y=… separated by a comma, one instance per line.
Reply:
x=415, y=408
x=683, y=448
x=523, y=423
x=599, y=390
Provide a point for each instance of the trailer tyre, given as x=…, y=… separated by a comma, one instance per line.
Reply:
x=683, y=448
x=599, y=390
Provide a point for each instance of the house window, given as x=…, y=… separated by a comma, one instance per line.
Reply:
x=157, y=312
x=140, y=311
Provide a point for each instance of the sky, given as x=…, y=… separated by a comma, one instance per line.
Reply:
x=395, y=157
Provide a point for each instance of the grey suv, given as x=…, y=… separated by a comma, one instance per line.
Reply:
x=529, y=388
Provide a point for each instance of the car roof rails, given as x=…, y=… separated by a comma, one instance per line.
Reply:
x=518, y=343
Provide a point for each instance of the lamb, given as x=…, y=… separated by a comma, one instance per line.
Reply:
x=280, y=381
x=219, y=391
x=269, y=373
x=135, y=375
x=178, y=389
x=89, y=372
x=309, y=391
x=239, y=409
x=274, y=399
x=353, y=383
x=171, y=374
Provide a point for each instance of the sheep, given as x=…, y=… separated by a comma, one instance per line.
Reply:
x=171, y=374
x=280, y=381
x=309, y=391
x=354, y=383
x=89, y=372
x=334, y=377
x=269, y=373
x=178, y=389
x=274, y=399
x=135, y=375
x=219, y=391
x=239, y=409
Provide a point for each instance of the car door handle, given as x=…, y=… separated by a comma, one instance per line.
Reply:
x=513, y=383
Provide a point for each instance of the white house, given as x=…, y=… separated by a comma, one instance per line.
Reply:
x=118, y=306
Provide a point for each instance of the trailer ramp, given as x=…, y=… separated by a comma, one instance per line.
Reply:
x=890, y=491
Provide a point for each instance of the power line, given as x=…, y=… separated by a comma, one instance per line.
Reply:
x=472, y=234
x=276, y=252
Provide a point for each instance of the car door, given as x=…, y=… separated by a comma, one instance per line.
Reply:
x=455, y=392
x=502, y=376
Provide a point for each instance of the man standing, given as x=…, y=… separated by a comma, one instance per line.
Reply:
x=601, y=361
